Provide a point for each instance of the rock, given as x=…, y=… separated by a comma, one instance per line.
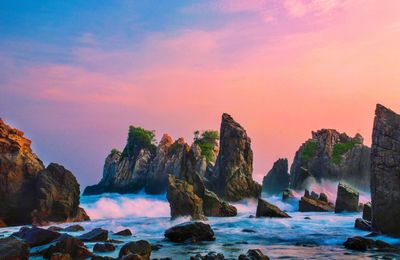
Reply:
x=36, y=236
x=330, y=155
x=363, y=224
x=132, y=257
x=308, y=218
x=19, y=167
x=362, y=244
x=125, y=232
x=140, y=248
x=156, y=247
x=74, y=228
x=60, y=256
x=103, y=247
x=182, y=199
x=253, y=254
x=346, y=199
x=67, y=244
x=323, y=197
x=385, y=168
x=214, y=207
x=97, y=257
x=13, y=249
x=265, y=209
x=288, y=195
x=232, y=177
x=209, y=256
x=55, y=228
x=277, y=179
x=190, y=231
x=58, y=193
x=367, y=212
x=310, y=204
x=246, y=230
x=96, y=235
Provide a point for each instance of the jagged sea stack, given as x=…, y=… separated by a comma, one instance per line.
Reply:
x=277, y=179
x=385, y=172
x=330, y=155
x=232, y=177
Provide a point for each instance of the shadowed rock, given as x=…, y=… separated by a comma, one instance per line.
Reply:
x=13, y=249
x=67, y=244
x=265, y=209
x=277, y=179
x=346, y=199
x=125, y=232
x=74, y=228
x=140, y=248
x=362, y=244
x=288, y=194
x=96, y=235
x=363, y=224
x=253, y=254
x=232, y=177
x=103, y=247
x=214, y=207
x=190, y=231
x=36, y=236
x=385, y=167
x=308, y=203
x=367, y=211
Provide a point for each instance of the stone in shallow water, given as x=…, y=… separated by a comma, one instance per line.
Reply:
x=367, y=212
x=74, y=228
x=68, y=245
x=363, y=224
x=36, y=236
x=125, y=232
x=347, y=199
x=253, y=254
x=96, y=235
x=12, y=248
x=103, y=247
x=190, y=231
x=265, y=209
x=136, y=250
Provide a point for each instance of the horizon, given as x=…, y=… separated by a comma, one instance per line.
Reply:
x=74, y=76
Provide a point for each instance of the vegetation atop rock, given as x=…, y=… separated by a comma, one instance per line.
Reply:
x=206, y=140
x=139, y=138
x=341, y=148
x=310, y=147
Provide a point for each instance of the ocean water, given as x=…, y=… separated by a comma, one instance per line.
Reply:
x=148, y=217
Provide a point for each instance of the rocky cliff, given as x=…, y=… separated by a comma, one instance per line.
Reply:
x=277, y=179
x=29, y=193
x=334, y=156
x=385, y=171
x=232, y=177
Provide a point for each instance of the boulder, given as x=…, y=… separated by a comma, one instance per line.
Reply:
x=330, y=155
x=277, y=179
x=182, y=199
x=103, y=247
x=36, y=236
x=125, y=232
x=363, y=224
x=67, y=244
x=362, y=244
x=367, y=211
x=209, y=256
x=141, y=248
x=96, y=235
x=55, y=228
x=385, y=168
x=74, y=228
x=190, y=231
x=253, y=254
x=13, y=249
x=232, y=177
x=346, y=199
x=265, y=209
x=309, y=203
x=214, y=207
x=60, y=256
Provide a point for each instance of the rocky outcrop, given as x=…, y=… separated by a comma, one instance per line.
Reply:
x=266, y=209
x=334, y=156
x=277, y=179
x=253, y=254
x=190, y=231
x=29, y=193
x=232, y=177
x=288, y=195
x=215, y=207
x=314, y=203
x=367, y=211
x=385, y=171
x=363, y=224
x=13, y=249
x=140, y=248
x=36, y=236
x=346, y=199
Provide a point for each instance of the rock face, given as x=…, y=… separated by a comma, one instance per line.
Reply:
x=265, y=209
x=30, y=194
x=385, y=171
x=346, y=199
x=334, y=156
x=190, y=231
x=232, y=177
x=314, y=203
x=277, y=179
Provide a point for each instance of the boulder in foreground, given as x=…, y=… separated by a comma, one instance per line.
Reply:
x=13, y=249
x=67, y=244
x=253, y=254
x=265, y=209
x=141, y=248
x=347, y=199
x=190, y=231
x=362, y=244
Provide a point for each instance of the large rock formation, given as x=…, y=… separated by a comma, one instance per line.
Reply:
x=346, y=199
x=30, y=194
x=232, y=177
x=266, y=209
x=385, y=171
x=277, y=179
x=334, y=156
x=314, y=203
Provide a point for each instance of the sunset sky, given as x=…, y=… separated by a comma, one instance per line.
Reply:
x=75, y=74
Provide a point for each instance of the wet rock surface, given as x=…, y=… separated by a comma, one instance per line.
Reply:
x=67, y=244
x=363, y=224
x=347, y=199
x=103, y=247
x=136, y=250
x=315, y=203
x=36, y=236
x=191, y=232
x=266, y=209
x=253, y=254
x=362, y=244
x=367, y=211
x=96, y=235
x=125, y=232
x=12, y=248
x=385, y=167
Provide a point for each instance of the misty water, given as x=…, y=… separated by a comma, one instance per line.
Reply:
x=148, y=217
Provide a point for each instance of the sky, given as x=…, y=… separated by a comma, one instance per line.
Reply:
x=75, y=74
